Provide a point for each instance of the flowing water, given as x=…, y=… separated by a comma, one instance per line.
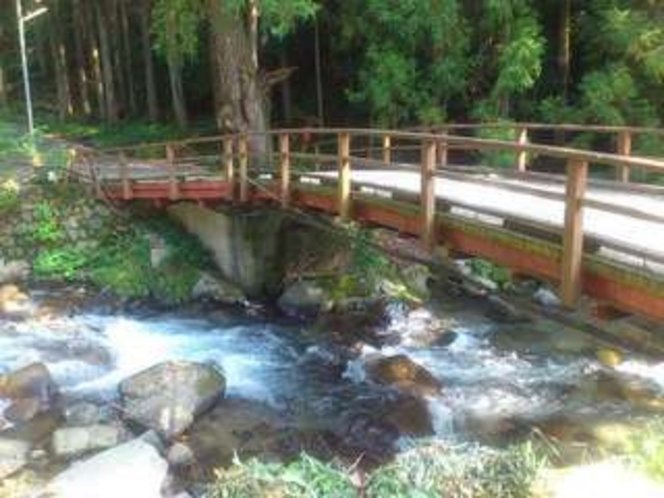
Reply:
x=497, y=378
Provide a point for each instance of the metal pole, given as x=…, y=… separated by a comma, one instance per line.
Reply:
x=24, y=64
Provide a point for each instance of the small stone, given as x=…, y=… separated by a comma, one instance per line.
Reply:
x=546, y=298
x=180, y=455
x=73, y=441
x=305, y=297
x=13, y=456
x=209, y=287
x=609, y=358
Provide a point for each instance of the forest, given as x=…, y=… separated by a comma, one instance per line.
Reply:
x=255, y=64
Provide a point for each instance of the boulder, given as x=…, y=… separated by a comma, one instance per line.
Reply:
x=13, y=301
x=402, y=372
x=13, y=456
x=31, y=391
x=180, y=455
x=13, y=271
x=83, y=414
x=215, y=289
x=69, y=442
x=169, y=396
x=235, y=426
x=134, y=469
x=416, y=277
x=305, y=298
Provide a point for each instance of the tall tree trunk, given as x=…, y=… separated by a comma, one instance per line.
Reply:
x=91, y=35
x=148, y=61
x=286, y=94
x=177, y=92
x=175, y=75
x=128, y=66
x=238, y=94
x=59, y=54
x=115, y=39
x=4, y=91
x=564, y=46
x=81, y=62
x=111, y=108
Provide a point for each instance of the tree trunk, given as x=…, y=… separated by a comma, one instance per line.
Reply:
x=111, y=108
x=81, y=62
x=4, y=91
x=175, y=76
x=128, y=66
x=564, y=46
x=239, y=97
x=177, y=92
x=91, y=35
x=59, y=54
x=148, y=62
x=115, y=39
x=286, y=94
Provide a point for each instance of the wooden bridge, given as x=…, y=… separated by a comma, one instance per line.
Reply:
x=566, y=215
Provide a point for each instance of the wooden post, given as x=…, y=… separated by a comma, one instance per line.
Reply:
x=284, y=169
x=228, y=159
x=173, y=190
x=243, y=152
x=577, y=179
x=344, y=186
x=387, y=150
x=428, y=194
x=624, y=148
x=124, y=175
x=522, y=155
x=443, y=154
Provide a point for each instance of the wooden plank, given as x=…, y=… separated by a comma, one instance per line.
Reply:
x=522, y=155
x=124, y=175
x=344, y=186
x=387, y=149
x=428, y=194
x=243, y=153
x=442, y=153
x=577, y=179
x=284, y=169
x=624, y=148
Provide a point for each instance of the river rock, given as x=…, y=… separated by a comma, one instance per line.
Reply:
x=83, y=414
x=215, y=289
x=417, y=277
x=13, y=271
x=180, y=455
x=13, y=456
x=131, y=470
x=22, y=410
x=547, y=298
x=13, y=301
x=169, y=396
x=402, y=372
x=504, y=312
x=69, y=442
x=31, y=390
x=305, y=298
x=235, y=426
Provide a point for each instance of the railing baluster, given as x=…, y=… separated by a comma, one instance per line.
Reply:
x=387, y=150
x=624, y=148
x=228, y=159
x=124, y=175
x=572, y=260
x=243, y=152
x=522, y=155
x=173, y=190
x=428, y=194
x=344, y=186
x=443, y=153
x=284, y=169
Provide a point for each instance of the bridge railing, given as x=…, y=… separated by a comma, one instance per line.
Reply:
x=235, y=160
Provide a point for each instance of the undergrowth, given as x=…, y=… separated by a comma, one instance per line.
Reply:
x=427, y=472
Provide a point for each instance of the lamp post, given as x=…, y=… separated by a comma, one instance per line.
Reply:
x=24, y=58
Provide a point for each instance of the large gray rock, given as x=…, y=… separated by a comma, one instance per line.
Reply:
x=402, y=372
x=13, y=456
x=131, y=470
x=31, y=390
x=215, y=289
x=169, y=396
x=73, y=441
x=306, y=297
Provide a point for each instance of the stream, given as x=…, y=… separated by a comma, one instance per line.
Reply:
x=500, y=381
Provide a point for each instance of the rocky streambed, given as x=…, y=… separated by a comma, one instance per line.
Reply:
x=98, y=399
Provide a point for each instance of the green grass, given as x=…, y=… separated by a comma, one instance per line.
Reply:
x=427, y=472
